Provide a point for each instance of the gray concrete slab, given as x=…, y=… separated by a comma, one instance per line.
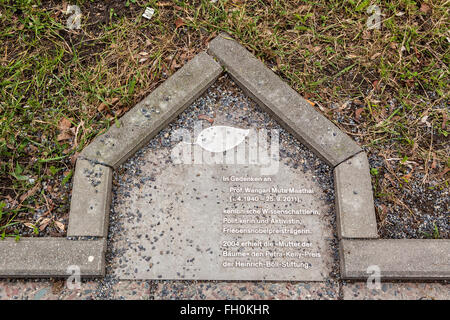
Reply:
x=149, y=116
x=354, y=200
x=91, y=199
x=283, y=102
x=51, y=257
x=425, y=259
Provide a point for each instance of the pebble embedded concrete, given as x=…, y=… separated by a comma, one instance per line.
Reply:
x=354, y=200
x=91, y=199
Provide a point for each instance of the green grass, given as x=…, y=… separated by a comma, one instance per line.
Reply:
x=321, y=48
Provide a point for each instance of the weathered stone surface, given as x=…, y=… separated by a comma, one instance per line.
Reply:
x=50, y=257
x=149, y=116
x=273, y=94
x=397, y=259
x=91, y=199
x=354, y=200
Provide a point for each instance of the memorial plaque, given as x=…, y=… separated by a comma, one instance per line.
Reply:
x=223, y=193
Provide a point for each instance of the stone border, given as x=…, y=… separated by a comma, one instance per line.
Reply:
x=51, y=257
x=356, y=220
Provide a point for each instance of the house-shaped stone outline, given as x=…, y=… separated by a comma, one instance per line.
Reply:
x=91, y=194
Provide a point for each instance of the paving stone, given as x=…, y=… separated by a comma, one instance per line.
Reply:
x=178, y=290
x=354, y=200
x=427, y=259
x=50, y=257
x=149, y=116
x=273, y=94
x=91, y=199
x=397, y=291
x=18, y=289
x=176, y=222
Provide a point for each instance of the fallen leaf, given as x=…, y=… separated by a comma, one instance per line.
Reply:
x=64, y=124
x=60, y=225
x=178, y=23
x=375, y=84
x=424, y=8
x=447, y=169
x=205, y=117
x=30, y=192
x=376, y=55
x=102, y=107
x=106, y=105
x=64, y=136
x=434, y=163
x=44, y=223
x=358, y=113
x=174, y=66
x=310, y=102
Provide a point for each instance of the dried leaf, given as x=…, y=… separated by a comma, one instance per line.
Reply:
x=44, y=223
x=60, y=225
x=30, y=192
x=29, y=225
x=358, y=113
x=174, y=65
x=64, y=136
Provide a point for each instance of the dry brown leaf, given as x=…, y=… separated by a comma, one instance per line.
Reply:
x=30, y=192
x=64, y=136
x=425, y=8
x=205, y=117
x=44, y=223
x=178, y=23
x=447, y=169
x=175, y=65
x=105, y=105
x=358, y=113
x=376, y=55
x=29, y=225
x=434, y=163
x=60, y=225
x=64, y=124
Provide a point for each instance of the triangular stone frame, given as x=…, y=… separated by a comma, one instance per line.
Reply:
x=85, y=245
